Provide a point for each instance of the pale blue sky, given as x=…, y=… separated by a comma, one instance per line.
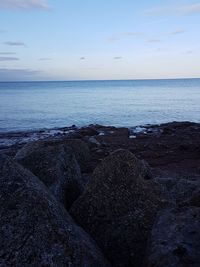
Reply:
x=99, y=39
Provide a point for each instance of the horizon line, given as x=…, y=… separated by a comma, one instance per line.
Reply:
x=99, y=80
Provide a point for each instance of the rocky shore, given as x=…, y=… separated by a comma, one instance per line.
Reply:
x=101, y=196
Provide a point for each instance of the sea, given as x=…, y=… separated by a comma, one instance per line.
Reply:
x=47, y=105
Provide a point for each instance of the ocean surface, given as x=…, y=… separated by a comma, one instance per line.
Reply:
x=38, y=105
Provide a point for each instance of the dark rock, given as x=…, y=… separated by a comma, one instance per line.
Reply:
x=123, y=132
x=184, y=147
x=81, y=152
x=168, y=183
x=119, y=206
x=86, y=178
x=88, y=131
x=167, y=130
x=94, y=142
x=11, y=151
x=76, y=135
x=181, y=191
x=193, y=200
x=56, y=166
x=175, y=239
x=35, y=229
x=73, y=127
x=185, y=189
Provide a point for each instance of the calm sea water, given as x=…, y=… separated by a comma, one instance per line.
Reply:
x=35, y=105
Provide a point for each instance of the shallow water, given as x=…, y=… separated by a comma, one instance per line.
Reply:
x=36, y=105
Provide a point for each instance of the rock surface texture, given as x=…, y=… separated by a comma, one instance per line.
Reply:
x=55, y=164
x=81, y=152
x=35, y=229
x=175, y=239
x=182, y=192
x=119, y=206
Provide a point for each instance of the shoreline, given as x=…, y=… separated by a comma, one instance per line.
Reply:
x=169, y=148
x=10, y=138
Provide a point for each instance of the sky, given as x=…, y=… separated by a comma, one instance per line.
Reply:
x=99, y=40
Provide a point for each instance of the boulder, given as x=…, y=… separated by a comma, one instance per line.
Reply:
x=35, y=229
x=81, y=152
x=183, y=192
x=193, y=200
x=184, y=189
x=56, y=166
x=121, y=132
x=93, y=142
x=118, y=207
x=88, y=131
x=175, y=239
x=80, y=149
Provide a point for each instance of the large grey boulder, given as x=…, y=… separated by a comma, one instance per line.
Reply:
x=35, y=230
x=175, y=239
x=118, y=207
x=55, y=164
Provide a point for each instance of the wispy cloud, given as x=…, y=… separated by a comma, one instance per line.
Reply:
x=188, y=52
x=7, y=53
x=190, y=9
x=15, y=43
x=113, y=39
x=177, y=31
x=132, y=34
x=123, y=35
x=8, y=58
x=17, y=74
x=117, y=58
x=158, y=10
x=45, y=59
x=24, y=4
x=156, y=21
x=153, y=40
x=174, y=10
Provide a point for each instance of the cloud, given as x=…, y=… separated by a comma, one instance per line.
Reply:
x=190, y=9
x=157, y=10
x=15, y=43
x=153, y=40
x=174, y=10
x=45, y=59
x=116, y=58
x=113, y=39
x=8, y=58
x=123, y=35
x=132, y=33
x=24, y=4
x=156, y=21
x=7, y=53
x=17, y=74
x=178, y=31
x=188, y=52
x=82, y=58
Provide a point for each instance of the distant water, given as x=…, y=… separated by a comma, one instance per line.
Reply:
x=36, y=105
